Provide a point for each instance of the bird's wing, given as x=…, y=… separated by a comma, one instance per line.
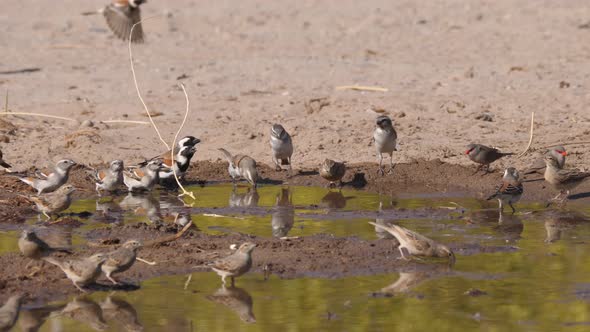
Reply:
x=230, y=264
x=121, y=18
x=421, y=242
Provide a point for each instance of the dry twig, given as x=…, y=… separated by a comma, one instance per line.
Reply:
x=40, y=115
x=135, y=81
x=184, y=192
x=169, y=238
x=362, y=88
x=531, y=137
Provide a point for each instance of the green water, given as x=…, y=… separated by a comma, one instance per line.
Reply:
x=532, y=272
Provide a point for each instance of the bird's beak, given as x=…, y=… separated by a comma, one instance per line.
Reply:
x=563, y=153
x=467, y=151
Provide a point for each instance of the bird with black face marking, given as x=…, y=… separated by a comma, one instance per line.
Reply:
x=333, y=171
x=120, y=260
x=385, y=138
x=55, y=202
x=182, y=161
x=48, y=183
x=417, y=244
x=81, y=272
x=143, y=179
x=109, y=179
x=120, y=16
x=510, y=190
x=241, y=166
x=282, y=147
x=562, y=179
x=484, y=155
x=235, y=264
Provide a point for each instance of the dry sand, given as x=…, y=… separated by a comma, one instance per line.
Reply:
x=248, y=64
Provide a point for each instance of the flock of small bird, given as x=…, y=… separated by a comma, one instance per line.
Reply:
x=54, y=194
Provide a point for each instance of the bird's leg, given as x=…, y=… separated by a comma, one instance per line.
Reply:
x=80, y=288
x=512, y=207
x=290, y=168
x=403, y=256
x=115, y=282
x=223, y=279
x=486, y=169
x=391, y=165
x=46, y=215
x=477, y=169
x=380, y=171
x=278, y=167
x=500, y=205
x=233, y=281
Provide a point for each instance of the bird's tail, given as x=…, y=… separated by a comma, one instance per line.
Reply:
x=492, y=196
x=52, y=260
x=26, y=180
x=4, y=164
x=507, y=153
x=227, y=155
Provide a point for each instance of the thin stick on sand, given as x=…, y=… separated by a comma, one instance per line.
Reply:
x=362, y=88
x=531, y=137
x=125, y=121
x=39, y=115
x=135, y=80
x=184, y=191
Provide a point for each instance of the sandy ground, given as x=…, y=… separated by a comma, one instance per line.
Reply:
x=248, y=64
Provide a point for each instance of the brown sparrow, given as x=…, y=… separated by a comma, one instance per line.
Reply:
x=111, y=178
x=51, y=182
x=510, y=190
x=121, y=259
x=235, y=264
x=55, y=202
x=143, y=179
x=484, y=155
x=333, y=171
x=82, y=271
x=385, y=138
x=282, y=146
x=241, y=166
x=416, y=244
x=562, y=179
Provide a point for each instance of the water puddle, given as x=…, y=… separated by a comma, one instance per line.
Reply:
x=528, y=271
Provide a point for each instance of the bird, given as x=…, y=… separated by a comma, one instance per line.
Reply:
x=81, y=272
x=484, y=155
x=182, y=161
x=9, y=312
x=237, y=300
x=120, y=16
x=416, y=244
x=144, y=179
x=2, y=162
x=86, y=311
x=31, y=246
x=143, y=203
x=120, y=260
x=121, y=311
x=55, y=202
x=562, y=179
x=51, y=182
x=538, y=166
x=333, y=171
x=283, y=214
x=282, y=146
x=111, y=178
x=510, y=190
x=385, y=138
x=235, y=264
x=186, y=141
x=241, y=166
